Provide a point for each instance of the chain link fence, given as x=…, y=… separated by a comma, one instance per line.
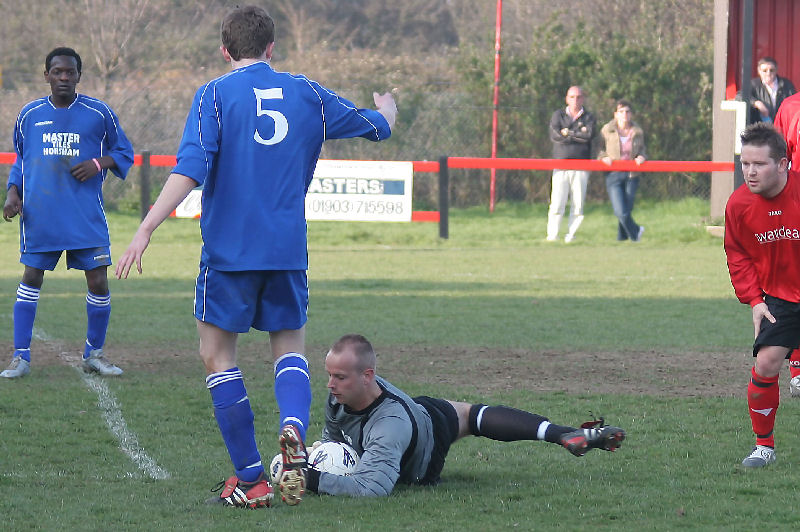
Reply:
x=431, y=124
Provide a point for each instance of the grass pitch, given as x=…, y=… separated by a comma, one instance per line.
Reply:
x=496, y=292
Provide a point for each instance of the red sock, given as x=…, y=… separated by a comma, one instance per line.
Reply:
x=763, y=398
x=794, y=363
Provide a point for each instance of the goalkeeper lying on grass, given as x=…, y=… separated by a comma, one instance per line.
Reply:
x=401, y=439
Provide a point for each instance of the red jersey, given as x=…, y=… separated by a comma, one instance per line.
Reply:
x=762, y=243
x=787, y=121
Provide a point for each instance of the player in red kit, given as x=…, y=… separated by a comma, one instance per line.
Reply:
x=762, y=244
x=787, y=121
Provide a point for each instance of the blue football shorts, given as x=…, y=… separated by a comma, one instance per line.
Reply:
x=78, y=259
x=267, y=300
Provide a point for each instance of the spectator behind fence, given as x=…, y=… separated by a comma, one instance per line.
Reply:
x=571, y=130
x=623, y=140
x=768, y=90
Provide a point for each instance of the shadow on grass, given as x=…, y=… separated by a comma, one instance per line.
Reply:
x=418, y=312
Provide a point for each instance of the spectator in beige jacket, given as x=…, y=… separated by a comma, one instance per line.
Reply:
x=623, y=140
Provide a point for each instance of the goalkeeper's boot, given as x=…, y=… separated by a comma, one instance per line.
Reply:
x=19, y=367
x=235, y=492
x=593, y=435
x=292, y=483
x=96, y=362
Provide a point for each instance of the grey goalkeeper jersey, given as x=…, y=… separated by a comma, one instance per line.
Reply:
x=393, y=436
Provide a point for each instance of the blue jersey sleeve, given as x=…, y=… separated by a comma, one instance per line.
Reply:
x=15, y=175
x=118, y=145
x=201, y=134
x=344, y=120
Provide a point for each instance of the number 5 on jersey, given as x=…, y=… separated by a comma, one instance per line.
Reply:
x=281, y=124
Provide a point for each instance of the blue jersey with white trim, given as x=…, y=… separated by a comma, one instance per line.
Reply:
x=58, y=211
x=253, y=138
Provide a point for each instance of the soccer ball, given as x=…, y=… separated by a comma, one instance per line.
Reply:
x=334, y=457
x=276, y=468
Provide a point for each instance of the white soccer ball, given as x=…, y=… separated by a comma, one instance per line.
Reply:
x=334, y=457
x=276, y=468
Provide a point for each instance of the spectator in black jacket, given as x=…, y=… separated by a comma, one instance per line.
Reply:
x=571, y=131
x=768, y=90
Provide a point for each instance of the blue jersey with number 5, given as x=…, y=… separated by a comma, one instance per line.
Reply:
x=252, y=138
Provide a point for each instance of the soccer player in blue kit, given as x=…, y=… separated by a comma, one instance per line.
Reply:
x=65, y=143
x=252, y=139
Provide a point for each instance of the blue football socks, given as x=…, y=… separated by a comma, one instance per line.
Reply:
x=24, y=315
x=235, y=421
x=293, y=391
x=98, y=311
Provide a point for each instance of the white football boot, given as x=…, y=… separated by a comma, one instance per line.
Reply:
x=97, y=363
x=19, y=367
x=760, y=456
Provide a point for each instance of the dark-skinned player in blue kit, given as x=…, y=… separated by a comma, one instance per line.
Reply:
x=65, y=143
x=252, y=139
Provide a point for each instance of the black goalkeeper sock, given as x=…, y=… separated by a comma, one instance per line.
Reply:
x=503, y=423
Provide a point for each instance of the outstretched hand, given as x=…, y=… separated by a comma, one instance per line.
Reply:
x=386, y=106
x=133, y=255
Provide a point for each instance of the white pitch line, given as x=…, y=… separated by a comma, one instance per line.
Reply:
x=112, y=413
x=116, y=423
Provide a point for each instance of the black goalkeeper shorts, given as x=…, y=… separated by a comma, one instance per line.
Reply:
x=445, y=431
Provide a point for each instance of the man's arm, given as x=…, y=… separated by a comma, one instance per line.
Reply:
x=642, y=156
x=15, y=175
x=13, y=204
x=343, y=119
x=175, y=190
x=386, y=106
x=758, y=96
x=558, y=134
x=379, y=466
x=744, y=276
x=585, y=133
x=788, y=87
x=742, y=270
x=119, y=148
x=89, y=168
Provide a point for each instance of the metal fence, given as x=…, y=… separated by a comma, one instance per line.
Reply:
x=431, y=125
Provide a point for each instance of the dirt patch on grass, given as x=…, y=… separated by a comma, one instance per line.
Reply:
x=489, y=370
x=486, y=370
